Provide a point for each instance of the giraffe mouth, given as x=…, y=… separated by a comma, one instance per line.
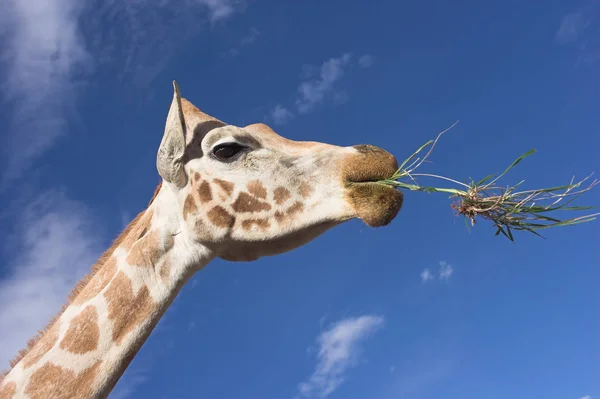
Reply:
x=375, y=204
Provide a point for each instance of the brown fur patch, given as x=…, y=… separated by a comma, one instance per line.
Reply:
x=83, y=333
x=8, y=390
x=289, y=213
x=98, y=282
x=196, y=177
x=225, y=185
x=305, y=190
x=262, y=224
x=189, y=206
x=43, y=346
x=202, y=228
x=125, y=309
x=138, y=231
x=257, y=189
x=204, y=192
x=247, y=203
x=280, y=195
x=51, y=381
x=220, y=217
x=146, y=252
x=165, y=270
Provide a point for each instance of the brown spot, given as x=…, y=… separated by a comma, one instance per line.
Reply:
x=220, y=217
x=202, y=228
x=189, y=206
x=257, y=189
x=125, y=309
x=8, y=390
x=146, y=252
x=225, y=185
x=51, y=381
x=98, y=282
x=297, y=207
x=196, y=177
x=247, y=203
x=83, y=333
x=43, y=346
x=165, y=270
x=138, y=231
x=262, y=224
x=280, y=195
x=290, y=212
x=305, y=190
x=204, y=192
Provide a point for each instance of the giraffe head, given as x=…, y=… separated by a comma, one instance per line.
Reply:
x=246, y=192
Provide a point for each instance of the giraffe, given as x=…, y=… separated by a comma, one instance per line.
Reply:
x=226, y=192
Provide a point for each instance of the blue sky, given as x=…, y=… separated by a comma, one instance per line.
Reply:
x=421, y=308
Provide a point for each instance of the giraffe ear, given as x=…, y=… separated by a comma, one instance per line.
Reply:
x=170, y=158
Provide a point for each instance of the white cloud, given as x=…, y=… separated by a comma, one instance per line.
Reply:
x=571, y=27
x=218, y=9
x=44, y=52
x=250, y=37
x=53, y=246
x=245, y=41
x=446, y=270
x=320, y=85
x=365, y=61
x=586, y=397
x=426, y=275
x=339, y=349
x=50, y=48
x=133, y=378
x=580, y=30
x=312, y=92
x=281, y=115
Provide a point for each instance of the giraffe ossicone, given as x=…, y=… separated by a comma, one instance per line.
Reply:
x=238, y=193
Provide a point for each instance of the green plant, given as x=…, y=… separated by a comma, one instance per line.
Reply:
x=508, y=209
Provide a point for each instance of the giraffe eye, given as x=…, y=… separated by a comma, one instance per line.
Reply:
x=226, y=151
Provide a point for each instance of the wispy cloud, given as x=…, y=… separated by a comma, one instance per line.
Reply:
x=580, y=29
x=45, y=57
x=53, y=246
x=134, y=377
x=312, y=92
x=339, y=350
x=281, y=115
x=586, y=397
x=245, y=41
x=50, y=49
x=320, y=85
x=444, y=273
x=426, y=275
x=365, y=60
x=572, y=27
x=446, y=270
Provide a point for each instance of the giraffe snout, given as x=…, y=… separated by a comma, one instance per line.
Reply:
x=375, y=204
x=369, y=164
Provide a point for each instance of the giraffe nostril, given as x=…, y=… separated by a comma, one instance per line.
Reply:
x=369, y=149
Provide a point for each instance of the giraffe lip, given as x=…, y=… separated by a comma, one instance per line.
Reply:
x=374, y=203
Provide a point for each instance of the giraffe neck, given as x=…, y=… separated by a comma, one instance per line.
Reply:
x=87, y=348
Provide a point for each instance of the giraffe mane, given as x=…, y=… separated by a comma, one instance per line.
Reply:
x=79, y=286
